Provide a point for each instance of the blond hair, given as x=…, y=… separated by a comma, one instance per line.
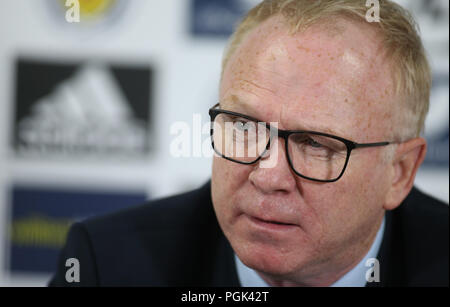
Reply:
x=399, y=34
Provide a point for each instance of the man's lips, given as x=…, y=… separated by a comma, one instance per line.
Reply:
x=268, y=223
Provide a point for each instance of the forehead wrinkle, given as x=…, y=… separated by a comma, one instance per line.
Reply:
x=254, y=84
x=265, y=75
x=237, y=104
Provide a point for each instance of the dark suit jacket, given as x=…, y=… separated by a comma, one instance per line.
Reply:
x=177, y=241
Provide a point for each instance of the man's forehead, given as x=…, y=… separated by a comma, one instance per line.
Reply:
x=273, y=37
x=338, y=68
x=259, y=112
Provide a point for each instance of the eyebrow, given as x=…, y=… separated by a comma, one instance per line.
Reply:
x=245, y=109
x=241, y=107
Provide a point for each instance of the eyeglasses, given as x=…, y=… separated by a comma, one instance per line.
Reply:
x=312, y=155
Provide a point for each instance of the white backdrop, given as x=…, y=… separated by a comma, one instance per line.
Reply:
x=187, y=68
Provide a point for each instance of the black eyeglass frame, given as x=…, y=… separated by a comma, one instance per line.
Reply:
x=214, y=111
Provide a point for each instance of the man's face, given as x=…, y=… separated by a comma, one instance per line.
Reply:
x=324, y=81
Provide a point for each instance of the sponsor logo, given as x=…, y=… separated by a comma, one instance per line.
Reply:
x=432, y=17
x=85, y=14
x=41, y=218
x=437, y=123
x=217, y=17
x=81, y=110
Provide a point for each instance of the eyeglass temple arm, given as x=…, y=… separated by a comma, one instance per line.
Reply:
x=356, y=145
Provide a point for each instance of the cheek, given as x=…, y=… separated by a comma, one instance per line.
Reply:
x=227, y=175
x=364, y=189
x=348, y=202
x=227, y=179
x=368, y=173
x=358, y=188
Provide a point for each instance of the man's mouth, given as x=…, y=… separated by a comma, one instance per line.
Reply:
x=270, y=224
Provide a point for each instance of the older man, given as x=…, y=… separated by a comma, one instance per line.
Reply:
x=317, y=135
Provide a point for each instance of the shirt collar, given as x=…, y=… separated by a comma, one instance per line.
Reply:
x=356, y=277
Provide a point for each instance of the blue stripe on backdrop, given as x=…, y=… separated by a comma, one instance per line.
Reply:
x=41, y=217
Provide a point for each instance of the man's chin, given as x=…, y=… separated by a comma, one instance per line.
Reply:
x=268, y=261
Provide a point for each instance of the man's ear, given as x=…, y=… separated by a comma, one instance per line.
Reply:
x=408, y=157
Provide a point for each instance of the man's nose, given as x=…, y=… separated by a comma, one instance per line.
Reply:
x=273, y=173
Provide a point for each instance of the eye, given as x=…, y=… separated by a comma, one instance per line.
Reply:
x=313, y=143
x=239, y=124
x=242, y=125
